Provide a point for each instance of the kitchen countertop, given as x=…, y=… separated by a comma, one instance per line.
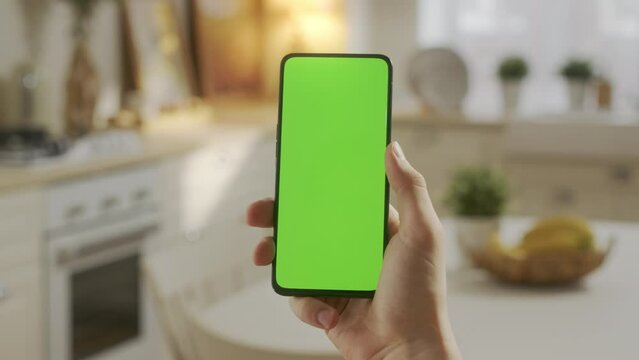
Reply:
x=581, y=137
x=458, y=122
x=178, y=134
x=594, y=319
x=157, y=143
x=170, y=135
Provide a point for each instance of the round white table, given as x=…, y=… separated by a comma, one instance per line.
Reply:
x=595, y=319
x=256, y=317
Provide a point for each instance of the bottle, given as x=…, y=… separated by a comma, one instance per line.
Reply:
x=604, y=93
x=25, y=100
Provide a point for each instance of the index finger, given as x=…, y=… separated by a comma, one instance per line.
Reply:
x=260, y=213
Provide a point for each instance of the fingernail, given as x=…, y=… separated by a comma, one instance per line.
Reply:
x=397, y=150
x=325, y=319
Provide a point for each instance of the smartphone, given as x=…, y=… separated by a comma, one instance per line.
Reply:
x=331, y=196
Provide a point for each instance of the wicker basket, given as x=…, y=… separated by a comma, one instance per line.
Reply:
x=542, y=268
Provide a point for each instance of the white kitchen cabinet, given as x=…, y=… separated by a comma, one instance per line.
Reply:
x=625, y=192
x=21, y=321
x=439, y=151
x=20, y=228
x=591, y=189
x=560, y=199
x=218, y=181
x=169, y=187
x=626, y=206
x=541, y=188
x=20, y=315
x=541, y=184
x=216, y=184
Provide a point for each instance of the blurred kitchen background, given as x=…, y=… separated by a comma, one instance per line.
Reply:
x=134, y=133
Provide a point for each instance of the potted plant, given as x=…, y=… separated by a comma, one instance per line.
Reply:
x=477, y=197
x=577, y=73
x=512, y=70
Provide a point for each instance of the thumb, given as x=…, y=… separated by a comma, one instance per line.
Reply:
x=416, y=210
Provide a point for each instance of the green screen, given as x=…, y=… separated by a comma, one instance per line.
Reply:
x=332, y=187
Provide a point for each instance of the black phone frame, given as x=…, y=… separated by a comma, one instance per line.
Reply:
x=317, y=292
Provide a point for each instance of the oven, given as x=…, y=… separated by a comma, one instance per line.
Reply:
x=97, y=303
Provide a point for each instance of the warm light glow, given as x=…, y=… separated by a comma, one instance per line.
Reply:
x=242, y=45
x=300, y=26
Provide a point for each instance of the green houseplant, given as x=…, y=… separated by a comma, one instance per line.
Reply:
x=477, y=197
x=577, y=69
x=513, y=68
x=577, y=73
x=477, y=192
x=511, y=71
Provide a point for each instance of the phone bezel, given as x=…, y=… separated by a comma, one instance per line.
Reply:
x=321, y=292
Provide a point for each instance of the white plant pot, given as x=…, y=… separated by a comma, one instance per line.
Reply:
x=577, y=94
x=474, y=233
x=510, y=90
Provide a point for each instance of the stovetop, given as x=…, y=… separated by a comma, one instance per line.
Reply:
x=23, y=146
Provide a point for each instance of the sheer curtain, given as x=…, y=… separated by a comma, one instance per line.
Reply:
x=546, y=33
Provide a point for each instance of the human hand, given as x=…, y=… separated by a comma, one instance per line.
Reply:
x=407, y=318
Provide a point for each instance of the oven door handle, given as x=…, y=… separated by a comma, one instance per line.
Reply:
x=70, y=254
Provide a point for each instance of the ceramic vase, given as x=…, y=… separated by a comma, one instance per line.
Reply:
x=474, y=234
x=577, y=94
x=510, y=90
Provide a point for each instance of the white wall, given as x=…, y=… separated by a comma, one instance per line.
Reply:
x=387, y=27
x=56, y=54
x=358, y=29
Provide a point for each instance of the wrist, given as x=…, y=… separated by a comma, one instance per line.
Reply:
x=422, y=350
x=436, y=344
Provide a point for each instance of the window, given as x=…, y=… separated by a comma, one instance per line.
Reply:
x=546, y=33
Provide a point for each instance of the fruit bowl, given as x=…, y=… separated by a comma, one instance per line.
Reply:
x=549, y=268
x=556, y=250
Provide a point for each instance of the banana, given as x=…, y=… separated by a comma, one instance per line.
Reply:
x=564, y=222
x=560, y=233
